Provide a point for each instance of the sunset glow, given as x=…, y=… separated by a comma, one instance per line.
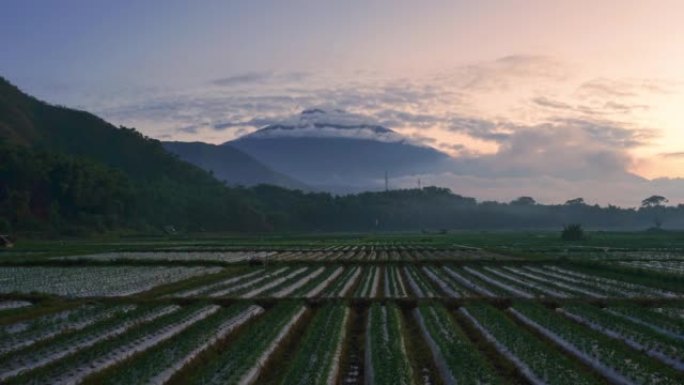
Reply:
x=465, y=77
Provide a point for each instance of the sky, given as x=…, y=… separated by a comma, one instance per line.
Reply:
x=545, y=98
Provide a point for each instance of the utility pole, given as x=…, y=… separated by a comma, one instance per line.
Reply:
x=419, y=185
x=386, y=182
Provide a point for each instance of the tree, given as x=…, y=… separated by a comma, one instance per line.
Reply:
x=524, y=201
x=655, y=203
x=575, y=202
x=573, y=233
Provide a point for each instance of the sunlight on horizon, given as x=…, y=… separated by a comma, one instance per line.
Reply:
x=473, y=79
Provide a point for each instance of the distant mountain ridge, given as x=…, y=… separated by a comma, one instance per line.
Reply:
x=230, y=165
x=328, y=148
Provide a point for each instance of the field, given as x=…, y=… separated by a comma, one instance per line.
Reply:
x=472, y=308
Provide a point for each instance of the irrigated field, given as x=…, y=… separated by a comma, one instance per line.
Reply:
x=382, y=313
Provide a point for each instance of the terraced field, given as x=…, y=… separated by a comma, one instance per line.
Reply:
x=342, y=314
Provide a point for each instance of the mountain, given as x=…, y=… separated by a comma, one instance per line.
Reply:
x=61, y=168
x=325, y=148
x=230, y=165
x=69, y=172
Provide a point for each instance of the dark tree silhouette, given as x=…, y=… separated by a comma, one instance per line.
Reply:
x=523, y=201
x=573, y=233
x=655, y=204
x=654, y=201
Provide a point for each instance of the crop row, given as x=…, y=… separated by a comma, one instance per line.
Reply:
x=42, y=353
x=10, y=305
x=397, y=281
x=661, y=347
x=664, y=320
x=396, y=254
x=341, y=286
x=316, y=361
x=395, y=286
x=334, y=281
x=241, y=362
x=23, y=334
x=218, y=256
x=386, y=357
x=538, y=362
x=419, y=283
x=160, y=363
x=241, y=282
x=456, y=358
x=606, y=355
x=301, y=280
x=369, y=283
x=335, y=253
x=208, y=344
x=93, y=281
x=74, y=368
x=670, y=267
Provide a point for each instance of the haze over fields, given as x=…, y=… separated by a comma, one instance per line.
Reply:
x=548, y=99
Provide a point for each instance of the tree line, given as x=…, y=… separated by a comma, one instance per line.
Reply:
x=49, y=192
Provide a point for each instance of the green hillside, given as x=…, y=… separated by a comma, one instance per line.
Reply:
x=61, y=168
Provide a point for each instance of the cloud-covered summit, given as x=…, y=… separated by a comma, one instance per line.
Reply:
x=328, y=123
x=333, y=150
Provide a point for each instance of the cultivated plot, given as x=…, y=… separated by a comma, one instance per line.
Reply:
x=351, y=315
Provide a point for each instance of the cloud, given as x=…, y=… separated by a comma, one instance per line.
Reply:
x=608, y=87
x=547, y=102
x=249, y=77
x=549, y=189
x=517, y=119
x=564, y=149
x=188, y=129
x=507, y=72
x=332, y=123
x=625, y=88
x=625, y=108
x=425, y=140
x=611, y=134
x=396, y=118
x=677, y=155
x=259, y=77
x=256, y=122
x=478, y=128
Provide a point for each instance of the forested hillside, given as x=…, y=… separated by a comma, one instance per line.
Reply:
x=64, y=169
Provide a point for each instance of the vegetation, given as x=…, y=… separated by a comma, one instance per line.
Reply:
x=539, y=363
x=505, y=318
x=573, y=233
x=606, y=354
x=386, y=359
x=67, y=171
x=315, y=362
x=655, y=204
x=455, y=355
